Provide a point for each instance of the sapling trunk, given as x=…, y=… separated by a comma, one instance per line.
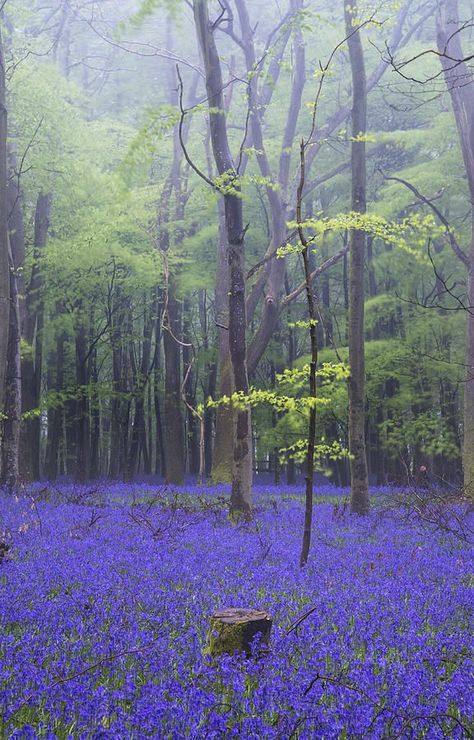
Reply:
x=312, y=315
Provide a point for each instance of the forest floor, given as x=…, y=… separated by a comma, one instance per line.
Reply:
x=106, y=594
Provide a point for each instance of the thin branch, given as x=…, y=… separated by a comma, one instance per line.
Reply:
x=270, y=255
x=21, y=170
x=436, y=52
x=312, y=184
x=155, y=51
x=449, y=232
x=300, y=620
x=447, y=289
x=318, y=271
x=183, y=112
x=324, y=70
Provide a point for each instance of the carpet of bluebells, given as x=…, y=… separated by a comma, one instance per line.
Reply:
x=106, y=593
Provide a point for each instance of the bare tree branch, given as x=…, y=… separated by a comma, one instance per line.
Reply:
x=318, y=271
x=423, y=199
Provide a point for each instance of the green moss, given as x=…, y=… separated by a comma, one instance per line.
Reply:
x=225, y=638
x=221, y=473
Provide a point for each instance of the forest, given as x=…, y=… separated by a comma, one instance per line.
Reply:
x=236, y=369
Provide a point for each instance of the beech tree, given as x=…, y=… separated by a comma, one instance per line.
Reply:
x=356, y=382
x=241, y=497
x=4, y=242
x=460, y=85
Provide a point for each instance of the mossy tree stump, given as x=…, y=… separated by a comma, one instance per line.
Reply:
x=232, y=631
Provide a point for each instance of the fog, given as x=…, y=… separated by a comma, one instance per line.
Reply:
x=165, y=240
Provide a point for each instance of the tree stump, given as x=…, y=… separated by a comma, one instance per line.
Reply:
x=232, y=630
x=4, y=549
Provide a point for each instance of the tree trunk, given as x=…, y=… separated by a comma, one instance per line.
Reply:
x=174, y=428
x=4, y=243
x=119, y=410
x=159, y=443
x=356, y=383
x=11, y=427
x=224, y=438
x=11, y=424
x=138, y=434
x=460, y=84
x=32, y=360
x=82, y=420
x=312, y=316
x=55, y=414
x=208, y=385
x=272, y=281
x=16, y=231
x=233, y=631
x=241, y=496
x=290, y=461
x=94, y=413
x=189, y=372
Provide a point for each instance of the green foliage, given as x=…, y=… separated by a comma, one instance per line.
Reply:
x=427, y=430
x=289, y=400
x=323, y=452
x=409, y=234
x=104, y=147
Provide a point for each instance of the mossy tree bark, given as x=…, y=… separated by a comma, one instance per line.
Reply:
x=233, y=631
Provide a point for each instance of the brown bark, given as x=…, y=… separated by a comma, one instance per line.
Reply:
x=312, y=316
x=272, y=279
x=233, y=631
x=173, y=430
x=208, y=384
x=241, y=496
x=356, y=383
x=290, y=462
x=224, y=438
x=16, y=231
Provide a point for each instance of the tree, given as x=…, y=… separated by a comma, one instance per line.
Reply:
x=460, y=84
x=312, y=319
x=4, y=242
x=241, y=497
x=358, y=460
